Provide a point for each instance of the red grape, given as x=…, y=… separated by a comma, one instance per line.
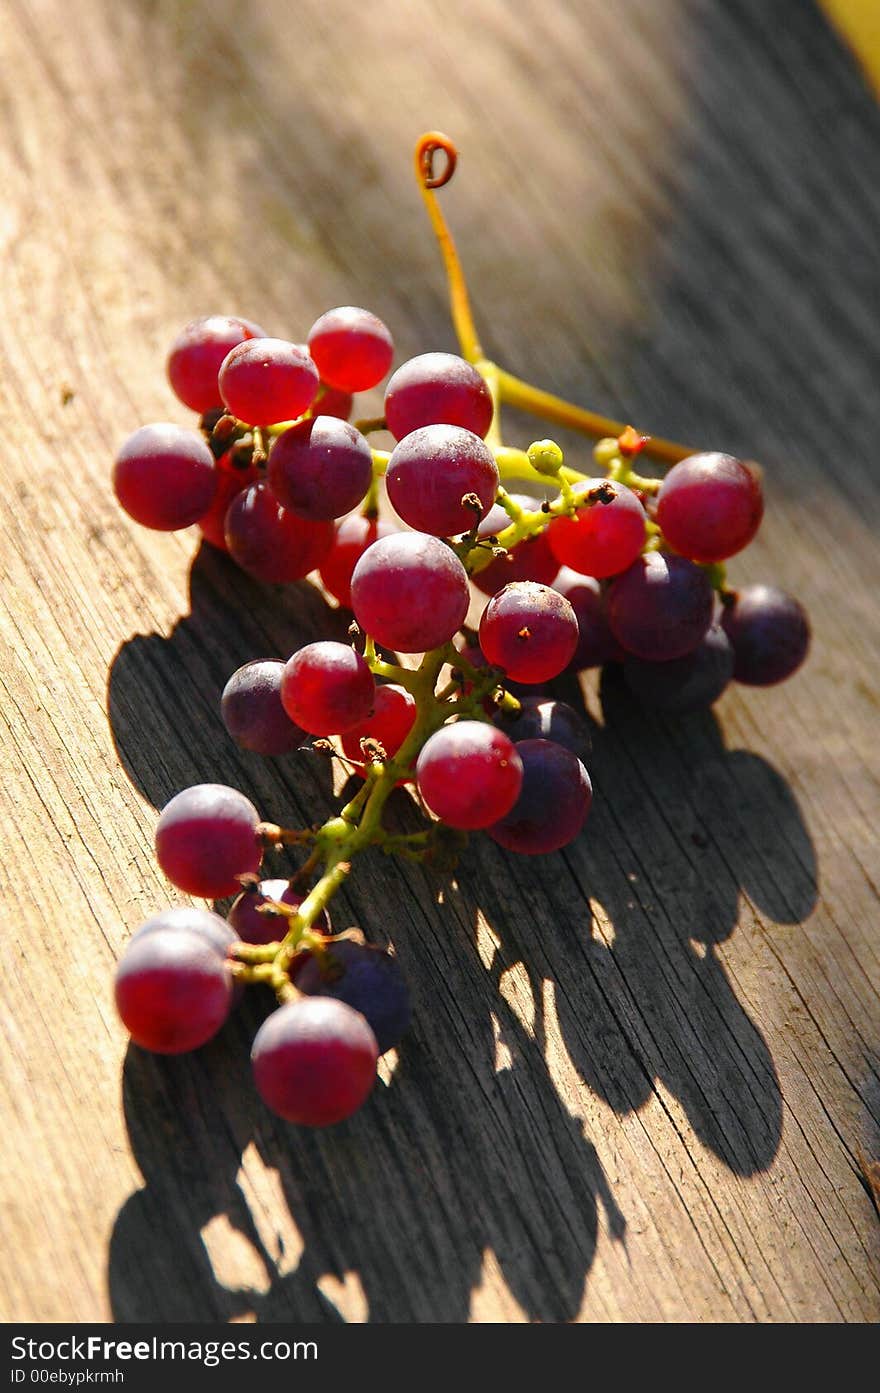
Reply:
x=554, y=803
x=264, y=381
x=173, y=990
x=394, y=713
x=605, y=535
x=331, y=402
x=252, y=710
x=314, y=1061
x=410, y=591
x=351, y=347
x=366, y=978
x=206, y=837
x=769, y=632
x=350, y=540
x=710, y=506
x=327, y=688
x=165, y=477
x=230, y=483
x=197, y=355
x=253, y=927
x=429, y=473
x=531, y=559
x=320, y=468
x=529, y=631
x=661, y=607
x=269, y=541
x=437, y=389
x=469, y=774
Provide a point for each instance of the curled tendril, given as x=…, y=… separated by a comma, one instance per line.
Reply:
x=429, y=146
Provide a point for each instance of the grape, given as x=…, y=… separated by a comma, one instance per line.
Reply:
x=327, y=688
x=710, y=506
x=206, y=837
x=554, y=803
x=531, y=559
x=437, y=389
x=264, y=381
x=252, y=710
x=769, y=632
x=604, y=536
x=173, y=990
x=366, y=978
x=529, y=631
x=188, y=919
x=469, y=774
x=351, y=347
x=661, y=607
x=331, y=402
x=320, y=468
x=596, y=643
x=683, y=684
x=543, y=718
x=269, y=541
x=165, y=477
x=314, y=1061
x=352, y=537
x=197, y=355
x=394, y=713
x=429, y=473
x=253, y=927
x=410, y=592
x=230, y=483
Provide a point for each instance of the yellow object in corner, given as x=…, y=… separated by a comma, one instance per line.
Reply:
x=858, y=23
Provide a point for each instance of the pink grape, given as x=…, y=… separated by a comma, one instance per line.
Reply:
x=264, y=381
x=351, y=348
x=605, y=535
x=173, y=990
x=437, y=389
x=392, y=719
x=320, y=468
x=469, y=774
x=187, y=919
x=331, y=402
x=350, y=540
x=314, y=1061
x=529, y=631
x=197, y=354
x=269, y=541
x=327, y=688
x=165, y=477
x=710, y=506
x=206, y=837
x=410, y=592
x=430, y=472
x=230, y=483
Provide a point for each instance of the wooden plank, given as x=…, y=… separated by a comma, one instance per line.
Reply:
x=641, y=1073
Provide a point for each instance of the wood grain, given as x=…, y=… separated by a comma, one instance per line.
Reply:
x=641, y=1072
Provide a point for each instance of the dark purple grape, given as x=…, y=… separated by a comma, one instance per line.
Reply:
x=320, y=468
x=432, y=470
x=544, y=718
x=327, y=688
x=314, y=1061
x=437, y=389
x=252, y=926
x=554, y=803
x=173, y=990
x=366, y=978
x=710, y=506
x=197, y=355
x=529, y=631
x=469, y=774
x=165, y=477
x=769, y=632
x=206, y=837
x=351, y=347
x=661, y=607
x=269, y=541
x=410, y=592
x=253, y=712
x=683, y=684
x=596, y=643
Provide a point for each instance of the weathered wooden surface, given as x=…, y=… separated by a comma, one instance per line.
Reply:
x=640, y=1072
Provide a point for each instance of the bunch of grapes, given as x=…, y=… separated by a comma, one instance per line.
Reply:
x=615, y=567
